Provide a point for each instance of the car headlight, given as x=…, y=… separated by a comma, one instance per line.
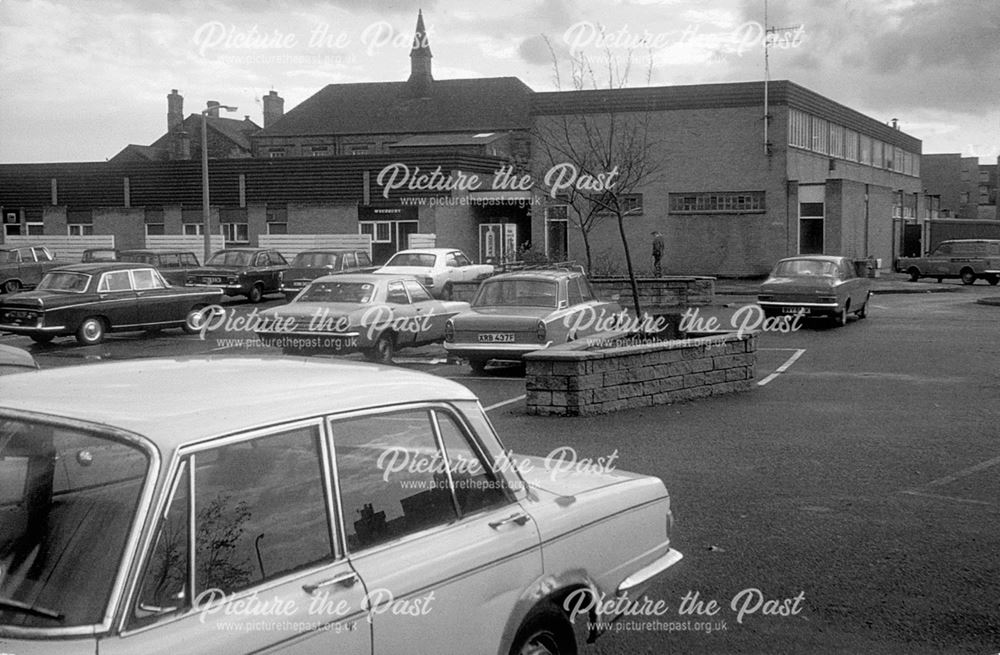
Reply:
x=540, y=332
x=449, y=331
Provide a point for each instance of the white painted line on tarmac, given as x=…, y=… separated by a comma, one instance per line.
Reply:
x=953, y=499
x=976, y=468
x=784, y=367
x=504, y=403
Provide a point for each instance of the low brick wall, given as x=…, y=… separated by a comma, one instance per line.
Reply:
x=574, y=380
x=654, y=292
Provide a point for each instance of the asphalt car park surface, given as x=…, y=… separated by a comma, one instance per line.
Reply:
x=850, y=504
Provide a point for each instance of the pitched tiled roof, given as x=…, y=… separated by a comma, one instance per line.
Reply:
x=478, y=104
x=237, y=131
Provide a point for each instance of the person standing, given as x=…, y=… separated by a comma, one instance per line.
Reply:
x=657, y=253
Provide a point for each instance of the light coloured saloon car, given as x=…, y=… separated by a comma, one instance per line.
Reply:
x=436, y=268
x=815, y=286
x=349, y=508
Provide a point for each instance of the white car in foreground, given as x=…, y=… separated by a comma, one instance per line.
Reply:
x=244, y=505
x=437, y=268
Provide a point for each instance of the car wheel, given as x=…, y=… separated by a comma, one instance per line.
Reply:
x=195, y=320
x=968, y=277
x=91, y=331
x=915, y=274
x=384, y=348
x=478, y=365
x=546, y=631
x=41, y=338
x=841, y=317
x=11, y=286
x=448, y=292
x=863, y=312
x=256, y=294
x=993, y=279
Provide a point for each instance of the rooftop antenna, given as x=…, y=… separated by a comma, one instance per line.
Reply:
x=768, y=31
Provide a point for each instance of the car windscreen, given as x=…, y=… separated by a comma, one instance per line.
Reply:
x=316, y=260
x=230, y=258
x=795, y=267
x=355, y=292
x=412, y=259
x=68, y=500
x=64, y=281
x=517, y=293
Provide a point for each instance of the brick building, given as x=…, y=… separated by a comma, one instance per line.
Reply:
x=729, y=196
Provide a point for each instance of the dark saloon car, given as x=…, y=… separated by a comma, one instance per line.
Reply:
x=173, y=265
x=90, y=300
x=250, y=272
x=311, y=264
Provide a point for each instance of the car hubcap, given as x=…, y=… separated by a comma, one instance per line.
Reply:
x=91, y=330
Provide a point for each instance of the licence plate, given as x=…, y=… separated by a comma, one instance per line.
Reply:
x=213, y=280
x=794, y=310
x=496, y=337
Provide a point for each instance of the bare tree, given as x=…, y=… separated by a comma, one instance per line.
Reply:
x=602, y=143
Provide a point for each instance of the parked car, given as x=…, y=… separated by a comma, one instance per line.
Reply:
x=968, y=259
x=23, y=267
x=348, y=508
x=516, y=313
x=173, y=265
x=817, y=286
x=436, y=268
x=250, y=272
x=311, y=264
x=92, y=255
x=358, y=312
x=90, y=300
x=16, y=360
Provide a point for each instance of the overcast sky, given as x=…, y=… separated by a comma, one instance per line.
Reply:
x=80, y=80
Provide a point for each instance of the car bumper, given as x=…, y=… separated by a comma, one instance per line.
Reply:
x=792, y=307
x=228, y=289
x=27, y=329
x=638, y=581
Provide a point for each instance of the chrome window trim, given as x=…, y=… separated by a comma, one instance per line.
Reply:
x=129, y=548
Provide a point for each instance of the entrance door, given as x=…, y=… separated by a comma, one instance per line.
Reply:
x=911, y=240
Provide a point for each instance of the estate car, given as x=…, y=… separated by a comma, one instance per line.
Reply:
x=173, y=265
x=252, y=505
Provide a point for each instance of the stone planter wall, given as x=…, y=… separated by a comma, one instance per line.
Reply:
x=577, y=380
x=654, y=292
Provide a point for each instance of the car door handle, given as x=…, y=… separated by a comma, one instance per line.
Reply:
x=345, y=580
x=520, y=518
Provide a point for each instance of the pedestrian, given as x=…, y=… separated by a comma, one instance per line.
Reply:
x=657, y=253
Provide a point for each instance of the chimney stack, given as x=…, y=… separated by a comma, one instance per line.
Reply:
x=274, y=108
x=175, y=111
x=213, y=108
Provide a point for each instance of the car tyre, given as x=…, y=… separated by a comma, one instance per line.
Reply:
x=11, y=286
x=41, y=338
x=863, y=312
x=968, y=277
x=841, y=317
x=256, y=294
x=993, y=279
x=478, y=365
x=91, y=331
x=384, y=349
x=546, y=631
x=915, y=274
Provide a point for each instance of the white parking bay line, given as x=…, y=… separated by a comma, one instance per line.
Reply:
x=503, y=403
x=976, y=468
x=784, y=367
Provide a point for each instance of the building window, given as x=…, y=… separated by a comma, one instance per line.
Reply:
x=850, y=145
x=277, y=228
x=34, y=229
x=155, y=229
x=192, y=229
x=812, y=216
x=731, y=202
x=11, y=229
x=277, y=219
x=820, y=134
x=878, y=154
x=80, y=229
x=866, y=150
x=836, y=141
x=964, y=197
x=984, y=176
x=798, y=129
x=319, y=151
x=380, y=231
x=274, y=153
x=965, y=174
x=235, y=233
x=359, y=149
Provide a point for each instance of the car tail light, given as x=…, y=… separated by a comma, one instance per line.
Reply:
x=540, y=333
x=449, y=331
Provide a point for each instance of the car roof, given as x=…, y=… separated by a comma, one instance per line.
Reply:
x=177, y=401
x=371, y=278
x=152, y=251
x=821, y=258
x=971, y=241
x=427, y=251
x=243, y=249
x=329, y=251
x=93, y=268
